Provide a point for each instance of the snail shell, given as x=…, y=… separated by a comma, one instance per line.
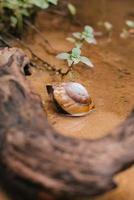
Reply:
x=70, y=98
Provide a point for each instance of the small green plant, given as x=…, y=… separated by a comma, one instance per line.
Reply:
x=128, y=30
x=106, y=28
x=106, y=25
x=124, y=34
x=130, y=23
x=74, y=58
x=78, y=38
x=13, y=12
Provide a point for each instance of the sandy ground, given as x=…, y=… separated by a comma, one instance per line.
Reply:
x=110, y=83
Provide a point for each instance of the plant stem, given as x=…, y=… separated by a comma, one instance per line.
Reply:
x=20, y=22
x=71, y=67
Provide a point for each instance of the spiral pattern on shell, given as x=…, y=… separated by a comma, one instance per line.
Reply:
x=71, y=98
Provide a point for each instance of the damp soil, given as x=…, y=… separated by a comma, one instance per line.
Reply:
x=110, y=83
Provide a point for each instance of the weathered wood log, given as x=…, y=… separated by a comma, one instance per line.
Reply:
x=34, y=156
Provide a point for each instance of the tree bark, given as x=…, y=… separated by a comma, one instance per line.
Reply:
x=43, y=162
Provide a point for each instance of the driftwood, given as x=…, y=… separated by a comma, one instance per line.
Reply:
x=43, y=162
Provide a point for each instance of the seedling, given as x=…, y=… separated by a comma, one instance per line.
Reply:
x=124, y=34
x=106, y=27
x=128, y=30
x=130, y=24
x=74, y=58
x=86, y=36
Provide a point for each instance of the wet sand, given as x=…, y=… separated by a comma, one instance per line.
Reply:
x=110, y=83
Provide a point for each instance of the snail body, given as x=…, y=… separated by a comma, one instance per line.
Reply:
x=70, y=98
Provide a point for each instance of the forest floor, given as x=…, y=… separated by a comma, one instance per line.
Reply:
x=110, y=82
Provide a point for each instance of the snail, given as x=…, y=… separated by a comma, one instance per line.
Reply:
x=70, y=98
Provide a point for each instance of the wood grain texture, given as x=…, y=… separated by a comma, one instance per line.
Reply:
x=37, y=159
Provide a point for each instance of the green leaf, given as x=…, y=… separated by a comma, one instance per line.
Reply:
x=77, y=35
x=13, y=21
x=10, y=4
x=76, y=52
x=25, y=12
x=88, y=35
x=43, y=4
x=70, y=39
x=91, y=40
x=86, y=61
x=71, y=9
x=53, y=1
x=108, y=26
x=88, y=29
x=63, y=56
x=124, y=34
x=78, y=43
x=130, y=23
